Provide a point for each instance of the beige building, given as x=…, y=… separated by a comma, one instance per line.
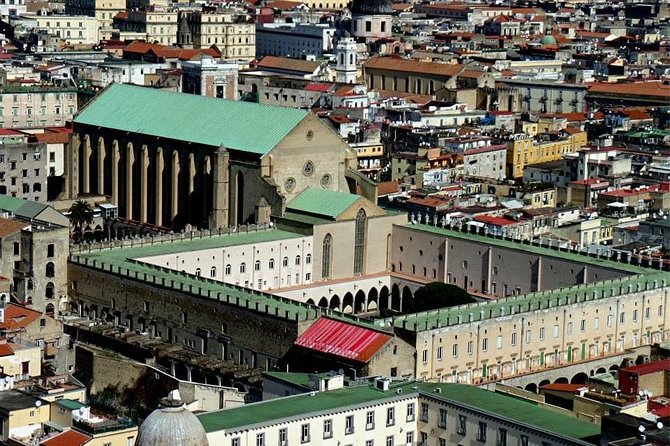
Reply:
x=553, y=307
x=21, y=414
x=103, y=10
x=76, y=30
x=157, y=24
x=25, y=107
x=234, y=37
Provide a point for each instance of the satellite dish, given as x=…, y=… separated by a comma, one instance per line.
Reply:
x=659, y=425
x=641, y=429
x=38, y=403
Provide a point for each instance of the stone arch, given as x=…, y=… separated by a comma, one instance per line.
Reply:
x=310, y=301
x=50, y=291
x=383, y=301
x=348, y=303
x=395, y=297
x=335, y=302
x=323, y=302
x=407, y=293
x=544, y=382
x=373, y=297
x=359, y=302
x=532, y=387
x=601, y=370
x=614, y=367
x=562, y=380
x=49, y=310
x=579, y=378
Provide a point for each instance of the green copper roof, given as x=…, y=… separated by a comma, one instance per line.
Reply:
x=516, y=410
x=11, y=204
x=322, y=202
x=70, y=404
x=242, y=126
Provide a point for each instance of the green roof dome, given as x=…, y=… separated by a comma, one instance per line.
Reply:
x=548, y=40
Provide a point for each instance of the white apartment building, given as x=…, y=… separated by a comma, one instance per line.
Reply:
x=262, y=266
x=158, y=24
x=73, y=29
x=293, y=39
x=12, y=7
x=388, y=414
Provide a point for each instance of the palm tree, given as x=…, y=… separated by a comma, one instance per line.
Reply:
x=81, y=214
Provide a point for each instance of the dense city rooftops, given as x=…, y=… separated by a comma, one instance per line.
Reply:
x=195, y=119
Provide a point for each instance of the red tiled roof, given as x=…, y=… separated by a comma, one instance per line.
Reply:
x=413, y=66
x=168, y=52
x=563, y=387
x=650, y=367
x=495, y=221
x=317, y=86
x=388, y=187
x=17, y=317
x=343, y=339
x=652, y=88
x=10, y=132
x=5, y=349
x=50, y=138
x=9, y=226
x=492, y=148
x=282, y=4
x=67, y=438
x=285, y=63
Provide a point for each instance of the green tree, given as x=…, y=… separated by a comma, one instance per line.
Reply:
x=436, y=295
x=81, y=214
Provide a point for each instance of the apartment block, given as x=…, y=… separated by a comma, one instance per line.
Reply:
x=233, y=35
x=78, y=29
x=26, y=107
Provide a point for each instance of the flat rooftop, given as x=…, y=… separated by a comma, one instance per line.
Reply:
x=299, y=406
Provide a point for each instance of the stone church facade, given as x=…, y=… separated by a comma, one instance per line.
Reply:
x=174, y=160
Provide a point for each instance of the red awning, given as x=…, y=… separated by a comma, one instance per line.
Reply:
x=343, y=339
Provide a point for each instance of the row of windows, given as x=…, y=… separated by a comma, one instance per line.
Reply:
x=257, y=265
x=305, y=429
x=542, y=334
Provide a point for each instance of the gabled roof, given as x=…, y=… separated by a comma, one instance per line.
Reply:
x=243, y=126
x=10, y=226
x=67, y=438
x=17, y=317
x=413, y=66
x=342, y=339
x=287, y=64
x=6, y=349
x=322, y=202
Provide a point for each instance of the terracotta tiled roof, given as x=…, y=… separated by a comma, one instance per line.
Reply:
x=414, y=98
x=653, y=89
x=168, y=52
x=5, y=349
x=563, y=387
x=413, y=66
x=17, y=317
x=9, y=226
x=318, y=86
x=388, y=187
x=67, y=438
x=282, y=4
x=50, y=138
x=284, y=63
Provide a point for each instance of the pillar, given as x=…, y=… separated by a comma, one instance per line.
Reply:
x=220, y=184
x=100, y=158
x=86, y=174
x=144, y=180
x=174, y=186
x=189, y=373
x=115, y=172
x=72, y=167
x=130, y=159
x=160, y=165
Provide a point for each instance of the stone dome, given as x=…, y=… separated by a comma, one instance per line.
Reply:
x=171, y=425
x=548, y=40
x=371, y=7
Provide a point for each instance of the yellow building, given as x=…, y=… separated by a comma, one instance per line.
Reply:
x=21, y=414
x=17, y=359
x=524, y=150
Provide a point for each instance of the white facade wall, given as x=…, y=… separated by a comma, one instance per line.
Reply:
x=291, y=40
x=362, y=432
x=74, y=29
x=261, y=266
